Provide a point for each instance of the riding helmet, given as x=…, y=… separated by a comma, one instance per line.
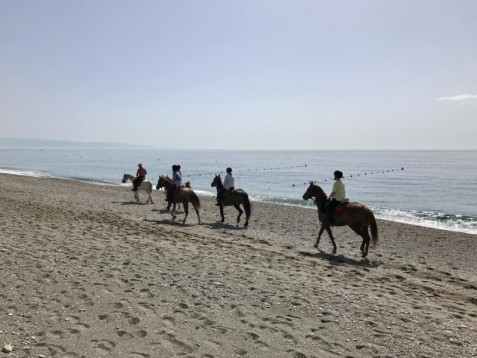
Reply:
x=338, y=174
x=229, y=170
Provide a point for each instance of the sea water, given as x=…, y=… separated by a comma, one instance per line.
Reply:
x=428, y=188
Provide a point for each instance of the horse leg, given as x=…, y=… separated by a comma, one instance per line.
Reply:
x=322, y=228
x=328, y=230
x=240, y=212
x=136, y=195
x=365, y=236
x=198, y=214
x=186, y=209
x=222, y=213
x=366, y=240
x=173, y=211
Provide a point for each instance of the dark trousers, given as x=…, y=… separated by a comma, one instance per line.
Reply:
x=222, y=193
x=170, y=191
x=137, y=181
x=328, y=208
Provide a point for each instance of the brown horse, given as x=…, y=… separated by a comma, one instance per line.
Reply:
x=235, y=198
x=357, y=216
x=184, y=195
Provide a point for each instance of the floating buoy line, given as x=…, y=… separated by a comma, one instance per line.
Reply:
x=356, y=175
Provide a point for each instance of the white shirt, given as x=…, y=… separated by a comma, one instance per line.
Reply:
x=339, y=190
x=229, y=181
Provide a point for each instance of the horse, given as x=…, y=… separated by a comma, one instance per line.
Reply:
x=357, y=216
x=145, y=185
x=235, y=198
x=184, y=195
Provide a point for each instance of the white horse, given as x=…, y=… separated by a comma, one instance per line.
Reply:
x=146, y=185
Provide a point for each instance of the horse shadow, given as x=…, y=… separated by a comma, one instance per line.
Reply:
x=220, y=225
x=130, y=202
x=338, y=260
x=170, y=222
x=165, y=211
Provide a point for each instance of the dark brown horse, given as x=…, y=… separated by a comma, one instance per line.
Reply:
x=236, y=198
x=357, y=216
x=184, y=195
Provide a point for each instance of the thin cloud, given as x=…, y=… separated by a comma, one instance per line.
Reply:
x=460, y=97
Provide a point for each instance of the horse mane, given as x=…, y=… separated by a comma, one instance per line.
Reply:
x=166, y=178
x=319, y=190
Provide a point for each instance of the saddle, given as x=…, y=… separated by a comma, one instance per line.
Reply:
x=178, y=189
x=340, y=208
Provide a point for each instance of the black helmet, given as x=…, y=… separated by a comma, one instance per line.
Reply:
x=139, y=165
x=229, y=170
x=338, y=174
x=174, y=167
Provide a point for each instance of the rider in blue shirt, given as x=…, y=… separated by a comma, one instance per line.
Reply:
x=176, y=181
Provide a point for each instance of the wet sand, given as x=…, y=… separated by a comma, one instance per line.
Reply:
x=88, y=272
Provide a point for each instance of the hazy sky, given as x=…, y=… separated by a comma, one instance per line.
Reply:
x=241, y=74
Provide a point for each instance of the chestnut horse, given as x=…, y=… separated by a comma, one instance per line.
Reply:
x=357, y=216
x=235, y=198
x=184, y=195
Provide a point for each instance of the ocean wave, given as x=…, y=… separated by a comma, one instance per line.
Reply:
x=26, y=173
x=442, y=221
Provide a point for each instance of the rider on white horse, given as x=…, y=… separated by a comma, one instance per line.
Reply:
x=140, y=176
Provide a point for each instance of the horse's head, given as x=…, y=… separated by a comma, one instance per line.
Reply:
x=217, y=181
x=160, y=183
x=163, y=182
x=125, y=179
x=310, y=192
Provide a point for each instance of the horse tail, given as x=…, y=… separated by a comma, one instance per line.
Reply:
x=374, y=227
x=194, y=199
x=247, y=205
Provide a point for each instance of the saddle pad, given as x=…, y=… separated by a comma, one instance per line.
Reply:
x=340, y=208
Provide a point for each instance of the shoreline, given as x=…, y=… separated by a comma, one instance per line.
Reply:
x=87, y=271
x=431, y=224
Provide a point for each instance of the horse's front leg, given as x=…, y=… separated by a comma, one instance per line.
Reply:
x=173, y=211
x=136, y=195
x=322, y=228
x=330, y=234
x=221, y=213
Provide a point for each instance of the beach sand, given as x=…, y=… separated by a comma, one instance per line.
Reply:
x=88, y=272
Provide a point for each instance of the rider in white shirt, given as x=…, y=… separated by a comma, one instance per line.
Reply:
x=229, y=182
x=338, y=195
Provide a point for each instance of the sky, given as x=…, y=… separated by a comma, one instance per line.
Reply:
x=251, y=74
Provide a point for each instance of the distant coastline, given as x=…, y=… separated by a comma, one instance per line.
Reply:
x=26, y=143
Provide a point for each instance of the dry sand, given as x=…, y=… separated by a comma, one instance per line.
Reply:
x=87, y=272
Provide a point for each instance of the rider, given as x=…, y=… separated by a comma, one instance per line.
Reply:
x=228, y=186
x=140, y=176
x=176, y=181
x=338, y=195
